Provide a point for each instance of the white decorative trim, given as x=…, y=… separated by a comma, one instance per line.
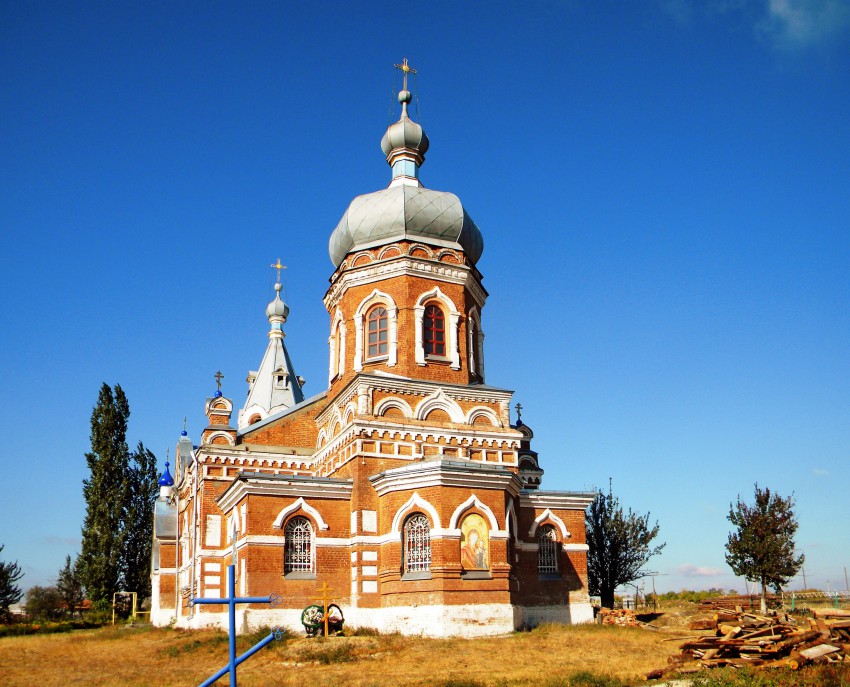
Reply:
x=336, y=343
x=548, y=515
x=210, y=405
x=454, y=521
x=475, y=345
x=407, y=266
x=349, y=413
x=452, y=326
x=510, y=517
x=434, y=473
x=439, y=401
x=376, y=298
x=413, y=503
x=563, y=500
x=478, y=411
x=300, y=504
x=392, y=402
x=575, y=547
x=216, y=435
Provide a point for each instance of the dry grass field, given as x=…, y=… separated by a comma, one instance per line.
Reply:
x=549, y=655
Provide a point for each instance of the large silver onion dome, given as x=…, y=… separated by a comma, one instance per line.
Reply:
x=405, y=210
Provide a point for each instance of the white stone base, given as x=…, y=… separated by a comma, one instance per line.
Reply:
x=473, y=620
x=571, y=614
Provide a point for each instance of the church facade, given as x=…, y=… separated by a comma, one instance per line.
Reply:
x=404, y=487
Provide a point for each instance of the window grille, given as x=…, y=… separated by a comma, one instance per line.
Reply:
x=377, y=331
x=435, y=331
x=298, y=550
x=547, y=550
x=417, y=544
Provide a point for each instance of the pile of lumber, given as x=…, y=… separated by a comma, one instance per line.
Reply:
x=618, y=616
x=730, y=603
x=774, y=641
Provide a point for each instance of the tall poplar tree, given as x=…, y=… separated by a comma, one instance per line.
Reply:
x=141, y=490
x=105, y=493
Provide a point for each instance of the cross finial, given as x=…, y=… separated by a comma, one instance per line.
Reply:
x=218, y=377
x=184, y=423
x=518, y=407
x=405, y=70
x=277, y=266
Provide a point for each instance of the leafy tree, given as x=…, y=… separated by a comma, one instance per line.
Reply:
x=619, y=546
x=10, y=593
x=69, y=586
x=104, y=492
x=761, y=549
x=44, y=603
x=141, y=491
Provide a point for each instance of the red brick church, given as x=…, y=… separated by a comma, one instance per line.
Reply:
x=403, y=486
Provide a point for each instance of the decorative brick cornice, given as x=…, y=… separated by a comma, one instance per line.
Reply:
x=446, y=473
x=260, y=484
x=406, y=266
x=563, y=500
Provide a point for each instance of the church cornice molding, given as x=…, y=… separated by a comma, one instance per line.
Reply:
x=557, y=500
x=259, y=484
x=445, y=473
x=410, y=267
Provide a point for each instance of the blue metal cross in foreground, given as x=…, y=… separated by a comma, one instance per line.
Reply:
x=231, y=600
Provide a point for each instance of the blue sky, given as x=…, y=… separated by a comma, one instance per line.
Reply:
x=663, y=189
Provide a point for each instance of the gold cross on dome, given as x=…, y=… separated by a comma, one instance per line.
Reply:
x=405, y=69
x=218, y=377
x=277, y=266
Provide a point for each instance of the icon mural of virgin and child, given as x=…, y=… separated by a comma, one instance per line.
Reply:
x=473, y=553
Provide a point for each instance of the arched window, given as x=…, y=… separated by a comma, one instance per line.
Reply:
x=377, y=330
x=547, y=550
x=298, y=549
x=417, y=544
x=434, y=326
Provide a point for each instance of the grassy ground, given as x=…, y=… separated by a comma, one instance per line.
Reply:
x=550, y=656
x=546, y=657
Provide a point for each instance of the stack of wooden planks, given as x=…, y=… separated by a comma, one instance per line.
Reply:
x=618, y=616
x=747, y=639
x=730, y=603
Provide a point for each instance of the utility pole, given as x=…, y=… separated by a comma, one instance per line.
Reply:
x=805, y=586
x=846, y=584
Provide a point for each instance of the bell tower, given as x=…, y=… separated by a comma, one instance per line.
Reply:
x=406, y=297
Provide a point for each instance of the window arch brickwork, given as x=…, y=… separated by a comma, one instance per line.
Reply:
x=547, y=550
x=417, y=544
x=299, y=547
x=427, y=327
x=377, y=331
x=368, y=306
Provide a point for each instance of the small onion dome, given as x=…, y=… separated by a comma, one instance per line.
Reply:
x=184, y=433
x=217, y=393
x=405, y=138
x=166, y=480
x=277, y=308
